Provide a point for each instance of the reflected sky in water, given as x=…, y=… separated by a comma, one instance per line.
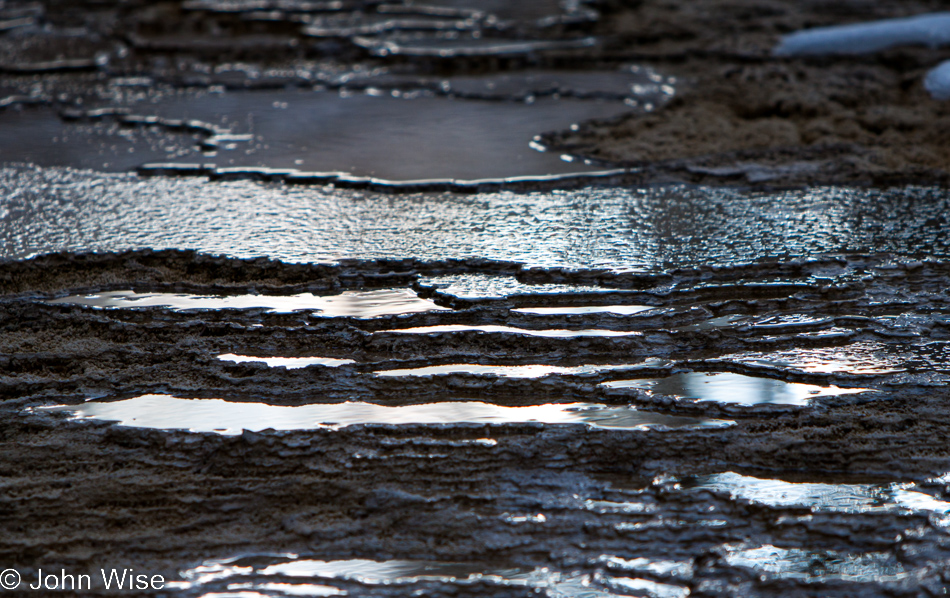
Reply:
x=483, y=286
x=515, y=371
x=225, y=417
x=291, y=363
x=378, y=135
x=258, y=574
x=725, y=387
x=620, y=310
x=862, y=358
x=549, y=333
x=357, y=304
x=843, y=498
x=44, y=210
x=815, y=565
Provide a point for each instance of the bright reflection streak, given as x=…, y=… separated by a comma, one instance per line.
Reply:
x=554, y=333
x=844, y=498
x=359, y=304
x=231, y=418
x=813, y=565
x=734, y=388
x=291, y=363
x=509, y=371
x=623, y=310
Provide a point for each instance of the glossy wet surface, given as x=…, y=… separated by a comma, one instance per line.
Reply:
x=724, y=387
x=364, y=134
x=845, y=498
x=550, y=333
x=253, y=573
x=510, y=381
x=291, y=363
x=224, y=417
x=634, y=565
x=476, y=286
x=44, y=210
x=358, y=304
x=511, y=371
x=508, y=426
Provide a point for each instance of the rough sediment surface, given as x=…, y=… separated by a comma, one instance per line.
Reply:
x=743, y=115
x=821, y=470
x=516, y=496
x=738, y=114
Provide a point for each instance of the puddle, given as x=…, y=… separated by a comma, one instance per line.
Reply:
x=42, y=137
x=224, y=417
x=618, y=229
x=774, y=323
x=291, y=363
x=374, y=135
x=483, y=286
x=814, y=565
x=356, y=304
x=841, y=498
x=724, y=387
x=863, y=358
x=257, y=573
x=620, y=310
x=511, y=330
x=516, y=371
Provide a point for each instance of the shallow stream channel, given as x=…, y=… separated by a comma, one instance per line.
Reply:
x=353, y=328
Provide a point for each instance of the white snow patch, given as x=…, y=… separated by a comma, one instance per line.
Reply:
x=938, y=81
x=931, y=30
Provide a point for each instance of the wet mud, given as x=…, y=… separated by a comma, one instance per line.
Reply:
x=439, y=298
x=732, y=496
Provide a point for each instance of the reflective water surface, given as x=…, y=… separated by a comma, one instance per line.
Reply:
x=291, y=363
x=514, y=371
x=225, y=417
x=861, y=358
x=357, y=304
x=843, y=498
x=511, y=330
x=620, y=229
x=481, y=286
x=725, y=387
x=257, y=573
x=373, y=134
x=817, y=565
x=621, y=310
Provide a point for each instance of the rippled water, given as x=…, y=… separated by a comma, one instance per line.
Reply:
x=225, y=417
x=43, y=210
x=482, y=286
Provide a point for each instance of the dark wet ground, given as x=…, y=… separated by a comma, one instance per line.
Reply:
x=384, y=339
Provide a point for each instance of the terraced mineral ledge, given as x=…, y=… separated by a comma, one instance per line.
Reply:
x=568, y=299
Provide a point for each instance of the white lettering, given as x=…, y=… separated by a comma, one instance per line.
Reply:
x=114, y=578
